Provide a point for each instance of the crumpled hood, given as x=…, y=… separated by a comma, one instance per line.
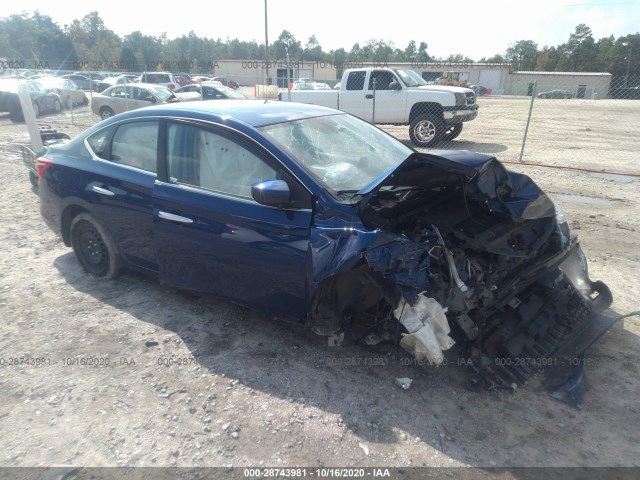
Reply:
x=483, y=177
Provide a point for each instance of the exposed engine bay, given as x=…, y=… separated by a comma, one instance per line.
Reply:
x=464, y=240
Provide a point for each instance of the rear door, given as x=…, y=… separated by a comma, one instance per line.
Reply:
x=210, y=233
x=119, y=186
x=119, y=99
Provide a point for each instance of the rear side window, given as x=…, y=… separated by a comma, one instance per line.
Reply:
x=99, y=142
x=157, y=78
x=355, y=80
x=136, y=144
x=119, y=92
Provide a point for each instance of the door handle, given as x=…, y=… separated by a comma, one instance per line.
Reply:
x=368, y=95
x=102, y=191
x=173, y=217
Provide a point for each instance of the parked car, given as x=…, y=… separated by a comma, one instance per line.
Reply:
x=555, y=94
x=201, y=78
x=433, y=113
x=68, y=91
x=479, y=90
x=314, y=214
x=166, y=79
x=95, y=76
x=43, y=100
x=227, y=82
x=85, y=83
x=111, y=81
x=122, y=98
x=310, y=86
x=211, y=91
x=183, y=79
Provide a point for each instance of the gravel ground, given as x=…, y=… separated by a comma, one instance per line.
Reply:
x=138, y=374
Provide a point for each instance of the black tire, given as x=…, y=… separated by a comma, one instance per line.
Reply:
x=452, y=132
x=93, y=247
x=57, y=106
x=106, y=112
x=426, y=130
x=16, y=114
x=33, y=178
x=85, y=101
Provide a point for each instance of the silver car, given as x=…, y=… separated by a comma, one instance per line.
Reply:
x=122, y=98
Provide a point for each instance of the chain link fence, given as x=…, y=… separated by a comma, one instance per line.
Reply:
x=551, y=119
x=576, y=120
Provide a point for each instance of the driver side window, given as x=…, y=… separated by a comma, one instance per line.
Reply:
x=205, y=159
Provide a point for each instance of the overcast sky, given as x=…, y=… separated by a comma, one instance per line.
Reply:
x=479, y=28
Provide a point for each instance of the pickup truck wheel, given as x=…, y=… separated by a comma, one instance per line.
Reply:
x=93, y=247
x=426, y=131
x=453, y=132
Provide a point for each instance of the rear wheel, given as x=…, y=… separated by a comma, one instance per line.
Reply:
x=106, y=112
x=453, y=132
x=57, y=106
x=33, y=178
x=93, y=247
x=16, y=113
x=426, y=130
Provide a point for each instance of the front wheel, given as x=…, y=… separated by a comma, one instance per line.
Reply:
x=426, y=130
x=453, y=132
x=93, y=247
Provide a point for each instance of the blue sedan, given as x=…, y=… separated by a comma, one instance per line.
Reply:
x=311, y=213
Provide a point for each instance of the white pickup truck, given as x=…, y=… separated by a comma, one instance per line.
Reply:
x=396, y=96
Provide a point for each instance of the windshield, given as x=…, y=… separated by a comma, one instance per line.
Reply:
x=410, y=78
x=163, y=93
x=344, y=153
x=230, y=92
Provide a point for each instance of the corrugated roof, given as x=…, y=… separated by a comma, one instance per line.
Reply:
x=579, y=74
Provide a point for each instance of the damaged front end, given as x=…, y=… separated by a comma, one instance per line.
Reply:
x=453, y=238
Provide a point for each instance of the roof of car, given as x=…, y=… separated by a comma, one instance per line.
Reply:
x=252, y=112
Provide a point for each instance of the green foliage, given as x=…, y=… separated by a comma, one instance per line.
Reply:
x=87, y=41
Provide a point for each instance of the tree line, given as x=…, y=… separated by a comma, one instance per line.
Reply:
x=35, y=40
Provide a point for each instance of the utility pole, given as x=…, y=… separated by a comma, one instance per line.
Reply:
x=266, y=42
x=626, y=77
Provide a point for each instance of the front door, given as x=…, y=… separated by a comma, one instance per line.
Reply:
x=211, y=235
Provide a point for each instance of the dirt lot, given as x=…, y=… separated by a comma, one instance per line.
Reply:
x=255, y=390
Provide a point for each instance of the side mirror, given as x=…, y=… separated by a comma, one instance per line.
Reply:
x=152, y=100
x=272, y=193
x=395, y=86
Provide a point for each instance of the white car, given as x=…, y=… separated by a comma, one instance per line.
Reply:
x=69, y=92
x=166, y=79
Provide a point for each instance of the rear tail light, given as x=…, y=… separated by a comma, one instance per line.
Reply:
x=171, y=86
x=42, y=164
